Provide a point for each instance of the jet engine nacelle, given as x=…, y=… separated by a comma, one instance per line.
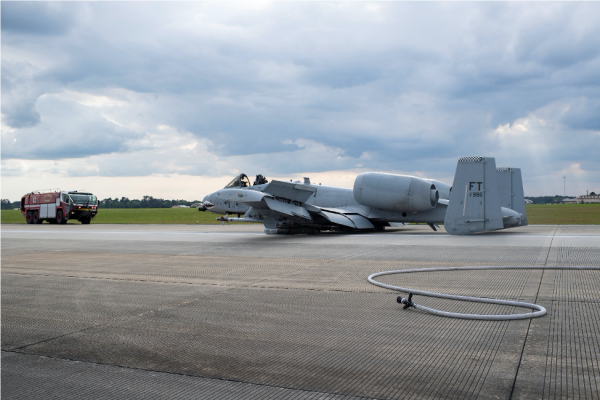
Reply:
x=395, y=192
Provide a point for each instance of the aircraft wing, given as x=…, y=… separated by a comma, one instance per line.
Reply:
x=288, y=190
x=290, y=199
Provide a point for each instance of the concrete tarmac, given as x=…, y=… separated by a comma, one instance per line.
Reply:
x=227, y=312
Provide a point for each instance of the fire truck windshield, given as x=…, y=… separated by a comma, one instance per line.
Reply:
x=81, y=198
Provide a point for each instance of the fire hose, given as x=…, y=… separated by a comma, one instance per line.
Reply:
x=408, y=302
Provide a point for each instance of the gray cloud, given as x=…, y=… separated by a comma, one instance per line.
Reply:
x=19, y=94
x=385, y=85
x=39, y=18
x=583, y=114
x=68, y=130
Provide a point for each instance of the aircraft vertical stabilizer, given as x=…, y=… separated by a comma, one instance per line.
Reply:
x=512, y=196
x=474, y=204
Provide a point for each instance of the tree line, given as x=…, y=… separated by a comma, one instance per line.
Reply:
x=145, y=202
x=9, y=205
x=123, y=202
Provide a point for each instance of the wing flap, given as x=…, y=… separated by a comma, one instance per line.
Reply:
x=343, y=217
x=339, y=219
x=360, y=221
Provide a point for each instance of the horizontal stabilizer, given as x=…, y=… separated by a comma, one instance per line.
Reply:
x=510, y=185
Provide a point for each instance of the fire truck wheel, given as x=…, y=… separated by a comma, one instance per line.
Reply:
x=29, y=217
x=36, y=218
x=59, y=218
x=86, y=220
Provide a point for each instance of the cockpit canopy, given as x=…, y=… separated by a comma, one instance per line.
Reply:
x=239, y=181
x=242, y=181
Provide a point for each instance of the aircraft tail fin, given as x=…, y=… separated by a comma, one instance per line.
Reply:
x=474, y=204
x=510, y=185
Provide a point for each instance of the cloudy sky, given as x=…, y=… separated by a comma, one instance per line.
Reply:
x=174, y=99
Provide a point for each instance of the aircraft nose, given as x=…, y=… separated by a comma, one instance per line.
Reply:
x=206, y=205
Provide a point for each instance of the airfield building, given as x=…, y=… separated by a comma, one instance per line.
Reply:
x=588, y=198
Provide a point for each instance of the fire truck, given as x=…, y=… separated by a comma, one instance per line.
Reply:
x=56, y=206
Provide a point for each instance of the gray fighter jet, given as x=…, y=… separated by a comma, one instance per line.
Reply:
x=482, y=198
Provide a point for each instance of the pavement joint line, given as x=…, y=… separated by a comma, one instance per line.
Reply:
x=318, y=289
x=182, y=374
x=512, y=390
x=250, y=286
x=550, y=247
x=119, y=279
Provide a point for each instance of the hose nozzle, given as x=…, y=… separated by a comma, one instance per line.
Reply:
x=407, y=302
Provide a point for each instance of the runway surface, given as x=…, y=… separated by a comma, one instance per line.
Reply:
x=227, y=312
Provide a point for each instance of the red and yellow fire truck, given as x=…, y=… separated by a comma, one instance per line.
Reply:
x=56, y=206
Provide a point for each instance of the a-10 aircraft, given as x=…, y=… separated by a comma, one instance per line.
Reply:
x=482, y=198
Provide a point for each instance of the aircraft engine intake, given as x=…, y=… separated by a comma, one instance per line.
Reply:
x=395, y=192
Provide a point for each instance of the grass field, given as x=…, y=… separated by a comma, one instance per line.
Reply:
x=563, y=214
x=537, y=214
x=134, y=216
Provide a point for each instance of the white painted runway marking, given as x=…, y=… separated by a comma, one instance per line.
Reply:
x=350, y=235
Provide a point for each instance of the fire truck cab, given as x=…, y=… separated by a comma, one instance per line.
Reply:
x=56, y=206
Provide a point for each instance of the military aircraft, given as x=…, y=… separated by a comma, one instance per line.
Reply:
x=482, y=198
